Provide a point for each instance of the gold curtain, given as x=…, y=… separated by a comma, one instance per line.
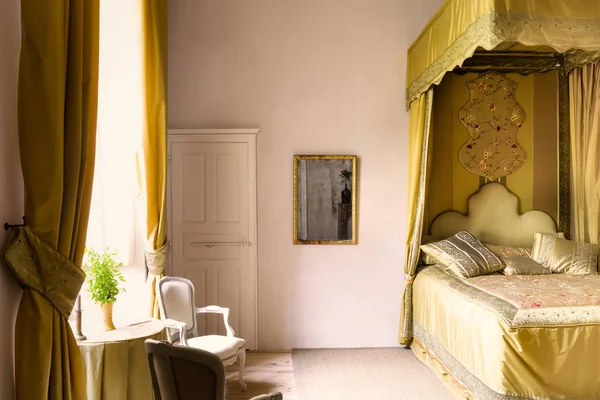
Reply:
x=152, y=163
x=419, y=145
x=584, y=86
x=58, y=89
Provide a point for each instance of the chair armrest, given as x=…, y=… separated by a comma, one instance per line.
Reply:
x=171, y=323
x=270, y=396
x=218, y=310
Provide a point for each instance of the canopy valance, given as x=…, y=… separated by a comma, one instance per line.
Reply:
x=461, y=27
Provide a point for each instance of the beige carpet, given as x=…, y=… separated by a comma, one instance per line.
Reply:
x=365, y=374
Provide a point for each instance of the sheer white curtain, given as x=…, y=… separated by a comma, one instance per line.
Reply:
x=117, y=214
x=114, y=220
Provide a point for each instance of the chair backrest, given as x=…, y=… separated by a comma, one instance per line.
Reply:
x=184, y=373
x=176, y=300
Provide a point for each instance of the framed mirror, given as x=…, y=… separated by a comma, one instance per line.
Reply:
x=324, y=199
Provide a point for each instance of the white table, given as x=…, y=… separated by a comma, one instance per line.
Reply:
x=116, y=363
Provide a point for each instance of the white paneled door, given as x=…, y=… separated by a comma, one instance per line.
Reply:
x=212, y=224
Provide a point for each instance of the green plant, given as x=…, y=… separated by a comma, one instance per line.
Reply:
x=346, y=176
x=103, y=276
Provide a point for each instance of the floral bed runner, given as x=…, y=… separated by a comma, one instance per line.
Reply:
x=531, y=300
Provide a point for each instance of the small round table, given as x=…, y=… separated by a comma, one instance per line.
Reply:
x=116, y=364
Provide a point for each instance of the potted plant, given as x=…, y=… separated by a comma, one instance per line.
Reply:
x=104, y=281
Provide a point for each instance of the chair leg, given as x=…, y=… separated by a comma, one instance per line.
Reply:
x=242, y=358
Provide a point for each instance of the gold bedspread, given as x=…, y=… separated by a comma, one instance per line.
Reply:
x=544, y=347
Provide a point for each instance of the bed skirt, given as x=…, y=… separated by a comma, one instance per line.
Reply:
x=461, y=383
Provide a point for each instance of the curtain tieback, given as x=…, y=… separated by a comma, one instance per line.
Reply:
x=409, y=279
x=156, y=260
x=37, y=265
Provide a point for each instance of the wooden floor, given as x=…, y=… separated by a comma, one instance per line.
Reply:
x=264, y=373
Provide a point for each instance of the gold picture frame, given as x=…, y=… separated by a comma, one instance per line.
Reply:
x=325, y=193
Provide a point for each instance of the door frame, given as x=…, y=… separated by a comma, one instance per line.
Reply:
x=222, y=135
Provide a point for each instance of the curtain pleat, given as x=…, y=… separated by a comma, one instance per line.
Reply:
x=419, y=149
x=58, y=87
x=584, y=87
x=152, y=163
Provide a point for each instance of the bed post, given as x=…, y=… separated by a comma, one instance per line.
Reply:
x=564, y=150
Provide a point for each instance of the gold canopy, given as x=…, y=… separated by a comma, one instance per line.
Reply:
x=461, y=27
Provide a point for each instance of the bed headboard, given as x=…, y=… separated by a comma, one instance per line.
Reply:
x=493, y=217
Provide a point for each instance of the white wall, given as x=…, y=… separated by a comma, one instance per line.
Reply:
x=422, y=12
x=11, y=182
x=317, y=77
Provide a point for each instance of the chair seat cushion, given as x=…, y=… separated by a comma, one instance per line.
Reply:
x=223, y=346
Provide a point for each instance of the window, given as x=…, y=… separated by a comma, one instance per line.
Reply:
x=117, y=217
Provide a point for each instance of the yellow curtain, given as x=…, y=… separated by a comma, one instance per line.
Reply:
x=58, y=88
x=584, y=86
x=152, y=163
x=419, y=144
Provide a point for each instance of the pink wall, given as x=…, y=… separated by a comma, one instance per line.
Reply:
x=422, y=12
x=11, y=182
x=320, y=77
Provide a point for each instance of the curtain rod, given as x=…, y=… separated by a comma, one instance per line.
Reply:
x=504, y=53
x=507, y=68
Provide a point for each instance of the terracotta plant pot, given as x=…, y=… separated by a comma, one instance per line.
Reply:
x=107, y=314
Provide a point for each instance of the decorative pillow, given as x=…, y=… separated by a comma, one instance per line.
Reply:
x=507, y=251
x=464, y=255
x=565, y=256
x=424, y=258
x=523, y=265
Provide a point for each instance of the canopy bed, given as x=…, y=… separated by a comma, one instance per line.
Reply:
x=522, y=135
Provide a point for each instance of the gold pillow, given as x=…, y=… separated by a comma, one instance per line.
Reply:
x=523, y=265
x=506, y=251
x=464, y=255
x=424, y=258
x=565, y=256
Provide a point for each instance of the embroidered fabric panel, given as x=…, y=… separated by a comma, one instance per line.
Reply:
x=493, y=117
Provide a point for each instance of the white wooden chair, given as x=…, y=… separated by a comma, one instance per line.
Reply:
x=176, y=300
